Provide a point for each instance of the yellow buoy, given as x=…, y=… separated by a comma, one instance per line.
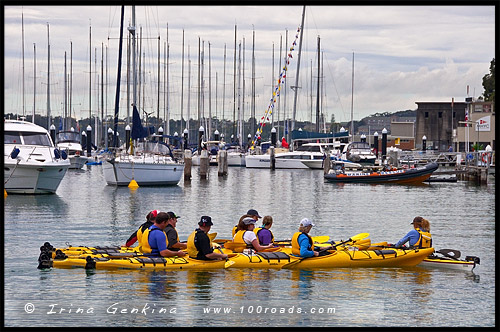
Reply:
x=4, y=193
x=133, y=185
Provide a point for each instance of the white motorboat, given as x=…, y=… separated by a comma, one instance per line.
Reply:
x=236, y=156
x=290, y=159
x=151, y=167
x=70, y=141
x=212, y=148
x=32, y=164
x=359, y=152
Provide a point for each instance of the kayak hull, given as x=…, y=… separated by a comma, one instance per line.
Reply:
x=138, y=263
x=365, y=258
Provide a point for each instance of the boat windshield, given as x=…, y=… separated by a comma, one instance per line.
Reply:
x=359, y=146
x=29, y=138
x=68, y=136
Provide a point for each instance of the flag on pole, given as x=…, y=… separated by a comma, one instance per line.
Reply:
x=466, y=115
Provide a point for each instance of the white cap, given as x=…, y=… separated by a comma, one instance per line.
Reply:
x=306, y=222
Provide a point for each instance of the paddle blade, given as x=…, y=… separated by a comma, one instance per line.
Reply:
x=212, y=236
x=359, y=236
x=321, y=238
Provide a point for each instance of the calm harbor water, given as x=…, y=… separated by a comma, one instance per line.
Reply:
x=85, y=211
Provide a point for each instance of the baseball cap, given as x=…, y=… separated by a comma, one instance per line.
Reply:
x=253, y=212
x=306, y=222
x=205, y=221
x=416, y=220
x=172, y=215
x=248, y=221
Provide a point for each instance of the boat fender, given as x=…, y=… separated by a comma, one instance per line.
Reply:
x=64, y=155
x=14, y=153
x=57, y=153
x=385, y=252
x=60, y=255
x=90, y=263
x=44, y=262
x=474, y=259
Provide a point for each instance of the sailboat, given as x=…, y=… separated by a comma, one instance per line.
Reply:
x=152, y=163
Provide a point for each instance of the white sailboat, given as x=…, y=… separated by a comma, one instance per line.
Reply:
x=150, y=164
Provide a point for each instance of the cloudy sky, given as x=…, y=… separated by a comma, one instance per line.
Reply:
x=402, y=55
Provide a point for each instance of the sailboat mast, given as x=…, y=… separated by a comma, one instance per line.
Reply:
x=209, y=131
x=65, y=95
x=298, y=69
x=253, y=82
x=182, y=80
x=224, y=92
x=239, y=94
x=234, y=85
x=24, y=97
x=242, y=117
x=117, y=100
x=188, y=116
x=49, y=122
x=352, y=99
x=317, y=89
x=34, y=82
x=158, y=94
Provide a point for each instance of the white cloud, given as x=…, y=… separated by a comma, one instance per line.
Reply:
x=402, y=54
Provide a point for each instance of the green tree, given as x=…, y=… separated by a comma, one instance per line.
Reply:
x=489, y=84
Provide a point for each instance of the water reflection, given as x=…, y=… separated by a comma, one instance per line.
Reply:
x=49, y=208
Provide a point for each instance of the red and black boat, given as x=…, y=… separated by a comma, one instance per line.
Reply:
x=401, y=176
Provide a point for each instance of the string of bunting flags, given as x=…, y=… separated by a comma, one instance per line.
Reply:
x=276, y=93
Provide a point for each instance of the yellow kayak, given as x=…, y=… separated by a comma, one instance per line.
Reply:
x=335, y=259
x=363, y=258
x=137, y=263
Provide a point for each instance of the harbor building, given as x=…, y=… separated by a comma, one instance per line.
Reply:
x=443, y=124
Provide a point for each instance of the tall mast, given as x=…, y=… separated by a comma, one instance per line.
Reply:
x=165, y=87
x=90, y=75
x=209, y=130
x=352, y=99
x=65, y=95
x=242, y=118
x=279, y=98
x=117, y=100
x=224, y=91
x=168, y=88
x=158, y=98
x=49, y=122
x=234, y=85
x=71, y=80
x=182, y=80
x=199, y=83
x=253, y=82
x=103, y=134
x=298, y=69
x=34, y=82
x=24, y=97
x=188, y=116
x=317, y=91
x=239, y=95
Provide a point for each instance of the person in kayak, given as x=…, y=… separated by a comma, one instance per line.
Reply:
x=302, y=243
x=150, y=218
x=199, y=245
x=264, y=233
x=173, y=242
x=157, y=239
x=420, y=236
x=250, y=213
x=245, y=234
